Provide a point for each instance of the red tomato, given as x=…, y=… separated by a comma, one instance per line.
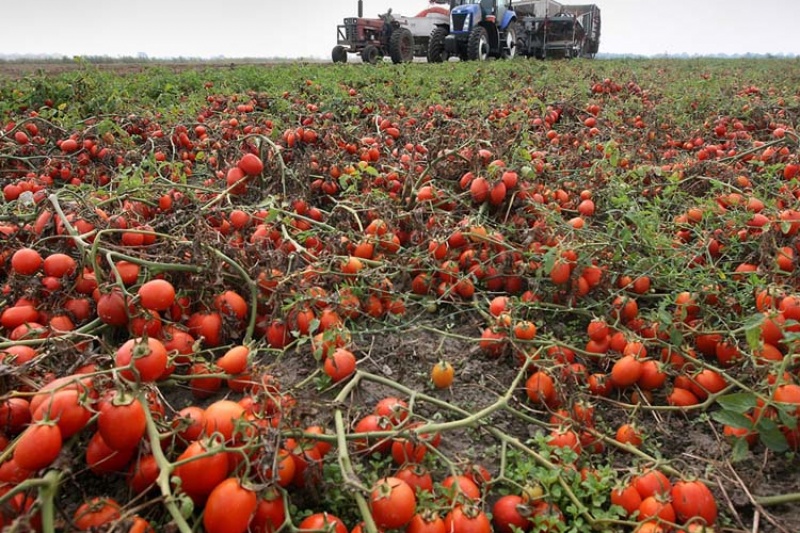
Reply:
x=199, y=475
x=467, y=520
x=121, y=422
x=509, y=512
x=67, y=408
x=221, y=417
x=626, y=497
x=190, y=423
x=229, y=508
x=143, y=474
x=392, y=503
x=157, y=295
x=112, y=308
x=148, y=355
x=15, y=414
x=426, y=523
x=26, y=261
x=234, y=361
x=322, y=522
x=38, y=446
x=270, y=514
x=59, y=265
x=417, y=477
x=691, y=499
x=457, y=487
x=103, y=459
x=340, y=364
x=95, y=513
x=651, y=483
x=251, y=164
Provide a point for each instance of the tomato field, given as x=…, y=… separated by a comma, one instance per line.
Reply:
x=460, y=298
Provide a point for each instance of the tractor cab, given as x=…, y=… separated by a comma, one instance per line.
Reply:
x=480, y=29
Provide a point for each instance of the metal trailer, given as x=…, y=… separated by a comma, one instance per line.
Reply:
x=399, y=37
x=480, y=29
x=552, y=29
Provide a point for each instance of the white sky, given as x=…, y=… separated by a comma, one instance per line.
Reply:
x=307, y=28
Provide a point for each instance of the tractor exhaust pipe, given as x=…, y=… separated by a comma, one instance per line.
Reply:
x=360, y=8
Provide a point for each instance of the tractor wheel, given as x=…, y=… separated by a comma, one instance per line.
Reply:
x=478, y=46
x=370, y=54
x=511, y=42
x=339, y=54
x=401, y=46
x=436, y=51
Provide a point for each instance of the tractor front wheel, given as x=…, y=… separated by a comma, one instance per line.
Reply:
x=436, y=50
x=478, y=47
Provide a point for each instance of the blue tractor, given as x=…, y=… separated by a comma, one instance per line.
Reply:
x=479, y=29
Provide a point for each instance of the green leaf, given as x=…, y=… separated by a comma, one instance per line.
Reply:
x=739, y=450
x=739, y=402
x=733, y=419
x=773, y=438
x=753, y=331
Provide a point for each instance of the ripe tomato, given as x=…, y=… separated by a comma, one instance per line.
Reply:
x=340, y=365
x=221, y=417
x=417, y=477
x=231, y=304
x=229, y=508
x=121, y=422
x=95, y=513
x=234, y=361
x=442, y=374
x=148, y=355
x=427, y=522
x=509, y=513
x=103, y=459
x=541, y=389
x=369, y=424
x=26, y=261
x=692, y=499
x=392, y=503
x=112, y=308
x=38, y=446
x=626, y=497
x=200, y=473
x=66, y=407
x=322, y=522
x=629, y=434
x=251, y=164
x=651, y=483
x=626, y=371
x=469, y=519
x=270, y=514
x=18, y=315
x=207, y=325
x=143, y=474
x=15, y=415
x=157, y=295
x=392, y=409
x=459, y=487
x=656, y=507
x=59, y=265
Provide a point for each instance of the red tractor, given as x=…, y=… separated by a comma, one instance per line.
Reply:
x=401, y=38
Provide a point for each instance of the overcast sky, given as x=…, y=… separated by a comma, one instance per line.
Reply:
x=307, y=28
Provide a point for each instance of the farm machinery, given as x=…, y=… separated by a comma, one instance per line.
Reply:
x=399, y=37
x=480, y=29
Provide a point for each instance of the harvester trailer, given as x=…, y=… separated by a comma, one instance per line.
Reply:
x=480, y=29
x=399, y=37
